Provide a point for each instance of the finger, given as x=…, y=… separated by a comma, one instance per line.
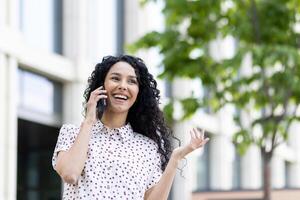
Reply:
x=101, y=96
x=97, y=98
x=196, y=132
x=192, y=134
x=97, y=92
x=202, y=134
x=205, y=141
x=101, y=88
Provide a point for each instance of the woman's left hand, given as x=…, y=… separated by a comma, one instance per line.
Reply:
x=197, y=141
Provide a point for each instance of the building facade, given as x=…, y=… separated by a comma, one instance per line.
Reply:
x=47, y=51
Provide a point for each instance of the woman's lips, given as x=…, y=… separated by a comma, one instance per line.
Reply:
x=118, y=100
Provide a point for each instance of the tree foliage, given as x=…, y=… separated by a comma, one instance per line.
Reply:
x=266, y=30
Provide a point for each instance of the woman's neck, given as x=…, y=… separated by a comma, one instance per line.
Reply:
x=113, y=120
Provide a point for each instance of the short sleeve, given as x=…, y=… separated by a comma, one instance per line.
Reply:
x=156, y=172
x=66, y=138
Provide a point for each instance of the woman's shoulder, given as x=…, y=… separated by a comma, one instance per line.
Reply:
x=69, y=129
x=69, y=126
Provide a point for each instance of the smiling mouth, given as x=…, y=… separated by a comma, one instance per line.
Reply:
x=120, y=97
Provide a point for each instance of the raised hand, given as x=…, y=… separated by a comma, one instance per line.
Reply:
x=197, y=141
x=95, y=96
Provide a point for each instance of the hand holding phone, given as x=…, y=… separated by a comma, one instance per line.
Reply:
x=101, y=105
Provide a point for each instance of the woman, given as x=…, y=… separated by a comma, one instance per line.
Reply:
x=126, y=152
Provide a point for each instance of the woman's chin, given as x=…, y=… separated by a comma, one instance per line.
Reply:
x=120, y=109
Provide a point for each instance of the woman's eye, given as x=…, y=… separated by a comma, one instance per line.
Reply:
x=115, y=78
x=132, y=81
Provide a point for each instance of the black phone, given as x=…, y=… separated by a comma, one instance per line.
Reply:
x=101, y=105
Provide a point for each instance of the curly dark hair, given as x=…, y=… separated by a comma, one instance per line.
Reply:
x=144, y=116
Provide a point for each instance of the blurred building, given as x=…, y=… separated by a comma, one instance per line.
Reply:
x=48, y=49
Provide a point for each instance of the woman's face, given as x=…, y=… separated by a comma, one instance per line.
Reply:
x=122, y=87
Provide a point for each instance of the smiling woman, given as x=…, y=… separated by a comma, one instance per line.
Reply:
x=122, y=88
x=123, y=151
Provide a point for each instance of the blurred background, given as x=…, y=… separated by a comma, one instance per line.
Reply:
x=198, y=49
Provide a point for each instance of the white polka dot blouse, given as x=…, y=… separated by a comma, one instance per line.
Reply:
x=120, y=165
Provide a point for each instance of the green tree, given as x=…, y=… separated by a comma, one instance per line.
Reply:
x=266, y=30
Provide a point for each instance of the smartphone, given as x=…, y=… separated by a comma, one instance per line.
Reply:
x=101, y=105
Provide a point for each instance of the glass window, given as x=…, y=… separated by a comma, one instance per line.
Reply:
x=102, y=43
x=36, y=178
x=40, y=99
x=41, y=24
x=37, y=93
x=120, y=26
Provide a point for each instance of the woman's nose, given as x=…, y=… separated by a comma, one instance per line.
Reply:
x=122, y=85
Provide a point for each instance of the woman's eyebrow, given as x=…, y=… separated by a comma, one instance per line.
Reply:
x=115, y=73
x=130, y=76
x=118, y=74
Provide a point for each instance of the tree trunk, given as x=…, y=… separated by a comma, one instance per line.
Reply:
x=267, y=174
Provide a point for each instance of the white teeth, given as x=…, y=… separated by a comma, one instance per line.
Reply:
x=121, y=96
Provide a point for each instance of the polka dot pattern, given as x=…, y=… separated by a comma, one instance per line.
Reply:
x=121, y=164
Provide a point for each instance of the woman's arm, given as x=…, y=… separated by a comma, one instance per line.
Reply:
x=162, y=189
x=71, y=163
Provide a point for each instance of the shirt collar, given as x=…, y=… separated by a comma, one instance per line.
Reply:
x=125, y=132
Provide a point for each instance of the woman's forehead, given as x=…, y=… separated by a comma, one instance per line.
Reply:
x=122, y=68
